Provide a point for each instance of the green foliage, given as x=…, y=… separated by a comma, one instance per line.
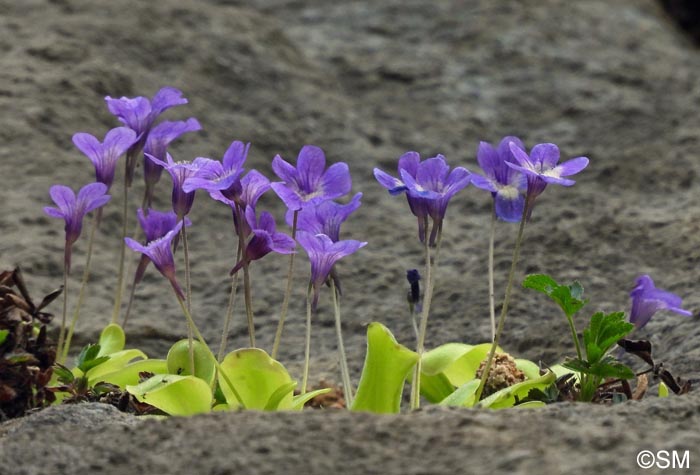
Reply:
x=3, y=335
x=512, y=395
x=178, y=360
x=88, y=358
x=568, y=297
x=450, y=366
x=261, y=382
x=129, y=375
x=112, y=340
x=603, y=332
x=663, y=389
x=387, y=365
x=174, y=395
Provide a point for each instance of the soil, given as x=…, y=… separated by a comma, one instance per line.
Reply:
x=367, y=81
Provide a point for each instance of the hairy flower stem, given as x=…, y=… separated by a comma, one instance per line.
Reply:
x=430, y=268
x=62, y=330
x=344, y=371
x=230, y=307
x=506, y=299
x=492, y=293
x=287, y=294
x=248, y=304
x=574, y=336
x=86, y=276
x=122, y=252
x=307, y=347
x=188, y=290
x=200, y=338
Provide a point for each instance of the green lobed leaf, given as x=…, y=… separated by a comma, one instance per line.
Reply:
x=62, y=374
x=112, y=339
x=529, y=368
x=440, y=358
x=299, y=401
x=114, y=362
x=280, y=393
x=174, y=395
x=603, y=332
x=464, y=369
x=88, y=358
x=387, y=365
x=540, y=282
x=568, y=297
x=256, y=377
x=508, y=397
x=179, y=360
x=463, y=396
x=129, y=374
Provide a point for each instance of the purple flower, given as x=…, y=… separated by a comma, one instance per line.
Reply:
x=157, y=143
x=507, y=185
x=155, y=225
x=104, y=155
x=647, y=300
x=159, y=251
x=541, y=167
x=73, y=209
x=429, y=186
x=139, y=113
x=223, y=176
x=310, y=181
x=180, y=172
x=246, y=191
x=323, y=254
x=325, y=217
x=265, y=239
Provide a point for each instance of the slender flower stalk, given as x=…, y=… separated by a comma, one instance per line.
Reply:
x=323, y=254
x=258, y=239
x=540, y=169
x=72, y=209
x=227, y=319
x=343, y=361
x=119, y=288
x=492, y=292
x=507, y=187
x=287, y=293
x=248, y=304
x=506, y=299
x=83, y=285
x=430, y=270
x=414, y=298
x=307, y=340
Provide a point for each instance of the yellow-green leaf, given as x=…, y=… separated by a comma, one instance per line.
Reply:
x=174, y=395
x=386, y=366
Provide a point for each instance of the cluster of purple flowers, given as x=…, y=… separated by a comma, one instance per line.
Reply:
x=308, y=189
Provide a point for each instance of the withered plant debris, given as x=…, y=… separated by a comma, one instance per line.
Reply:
x=335, y=399
x=27, y=354
x=617, y=390
x=79, y=391
x=642, y=349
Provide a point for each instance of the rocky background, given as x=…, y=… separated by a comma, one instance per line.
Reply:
x=367, y=81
